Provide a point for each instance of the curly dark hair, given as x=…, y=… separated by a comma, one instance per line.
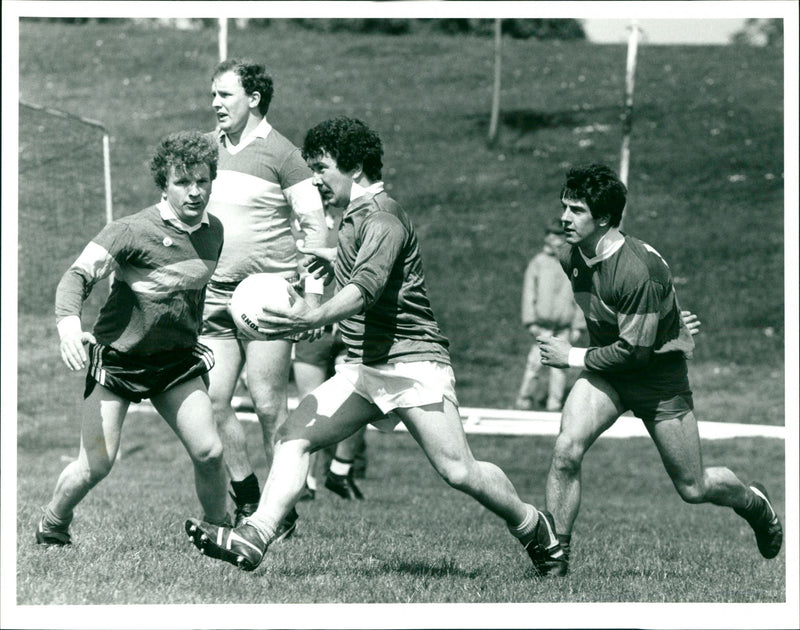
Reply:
x=600, y=188
x=183, y=150
x=253, y=76
x=348, y=141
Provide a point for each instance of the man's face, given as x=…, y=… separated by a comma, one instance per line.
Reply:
x=231, y=103
x=580, y=227
x=334, y=186
x=187, y=192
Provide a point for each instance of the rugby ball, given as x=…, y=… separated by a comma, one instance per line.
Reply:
x=251, y=296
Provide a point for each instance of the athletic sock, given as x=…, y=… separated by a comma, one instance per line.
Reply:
x=311, y=482
x=754, y=509
x=246, y=490
x=526, y=530
x=55, y=522
x=565, y=540
x=341, y=466
x=265, y=530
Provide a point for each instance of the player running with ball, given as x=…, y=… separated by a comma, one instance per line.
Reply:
x=397, y=360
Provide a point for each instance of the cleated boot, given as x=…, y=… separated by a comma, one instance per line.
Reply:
x=344, y=486
x=52, y=536
x=240, y=546
x=243, y=510
x=287, y=526
x=545, y=551
x=765, y=523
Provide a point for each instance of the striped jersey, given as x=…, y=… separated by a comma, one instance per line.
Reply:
x=160, y=276
x=629, y=301
x=260, y=182
x=378, y=252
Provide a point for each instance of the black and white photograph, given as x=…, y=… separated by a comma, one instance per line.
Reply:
x=400, y=314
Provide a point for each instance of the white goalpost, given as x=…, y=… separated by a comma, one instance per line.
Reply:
x=223, y=38
x=627, y=117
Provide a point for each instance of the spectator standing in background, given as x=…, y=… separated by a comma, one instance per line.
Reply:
x=548, y=308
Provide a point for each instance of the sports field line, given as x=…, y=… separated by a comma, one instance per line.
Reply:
x=479, y=420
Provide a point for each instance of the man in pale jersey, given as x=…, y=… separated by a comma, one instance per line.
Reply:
x=262, y=181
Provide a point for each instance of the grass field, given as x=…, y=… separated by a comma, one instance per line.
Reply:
x=412, y=541
x=706, y=190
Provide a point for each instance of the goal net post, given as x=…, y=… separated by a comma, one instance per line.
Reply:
x=64, y=200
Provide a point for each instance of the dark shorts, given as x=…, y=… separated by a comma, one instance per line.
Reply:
x=321, y=352
x=135, y=377
x=660, y=392
x=217, y=320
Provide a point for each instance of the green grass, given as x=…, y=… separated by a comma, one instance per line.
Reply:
x=413, y=540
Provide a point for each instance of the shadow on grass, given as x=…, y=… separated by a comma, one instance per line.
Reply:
x=443, y=568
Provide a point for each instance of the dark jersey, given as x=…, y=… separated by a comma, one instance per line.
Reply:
x=160, y=277
x=628, y=298
x=378, y=253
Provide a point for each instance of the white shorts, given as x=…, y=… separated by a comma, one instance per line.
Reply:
x=397, y=385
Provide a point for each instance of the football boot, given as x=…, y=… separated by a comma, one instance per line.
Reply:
x=52, y=536
x=765, y=523
x=240, y=546
x=545, y=550
x=344, y=486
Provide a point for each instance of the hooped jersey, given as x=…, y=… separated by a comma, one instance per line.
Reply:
x=629, y=301
x=160, y=276
x=260, y=184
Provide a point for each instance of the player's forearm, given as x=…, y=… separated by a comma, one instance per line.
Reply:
x=72, y=291
x=618, y=357
x=346, y=303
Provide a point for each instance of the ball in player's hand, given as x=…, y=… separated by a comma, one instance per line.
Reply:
x=251, y=296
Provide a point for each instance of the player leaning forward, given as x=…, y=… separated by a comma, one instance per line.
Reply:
x=397, y=359
x=637, y=361
x=144, y=343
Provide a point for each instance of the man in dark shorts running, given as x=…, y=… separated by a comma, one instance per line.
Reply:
x=636, y=361
x=144, y=343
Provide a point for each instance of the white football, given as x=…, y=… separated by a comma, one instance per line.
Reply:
x=251, y=296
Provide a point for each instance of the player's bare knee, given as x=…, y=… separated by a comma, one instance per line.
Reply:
x=267, y=414
x=457, y=473
x=208, y=455
x=567, y=454
x=221, y=412
x=691, y=492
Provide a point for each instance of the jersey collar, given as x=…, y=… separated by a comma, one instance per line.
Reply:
x=168, y=215
x=607, y=246
x=261, y=130
x=357, y=190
